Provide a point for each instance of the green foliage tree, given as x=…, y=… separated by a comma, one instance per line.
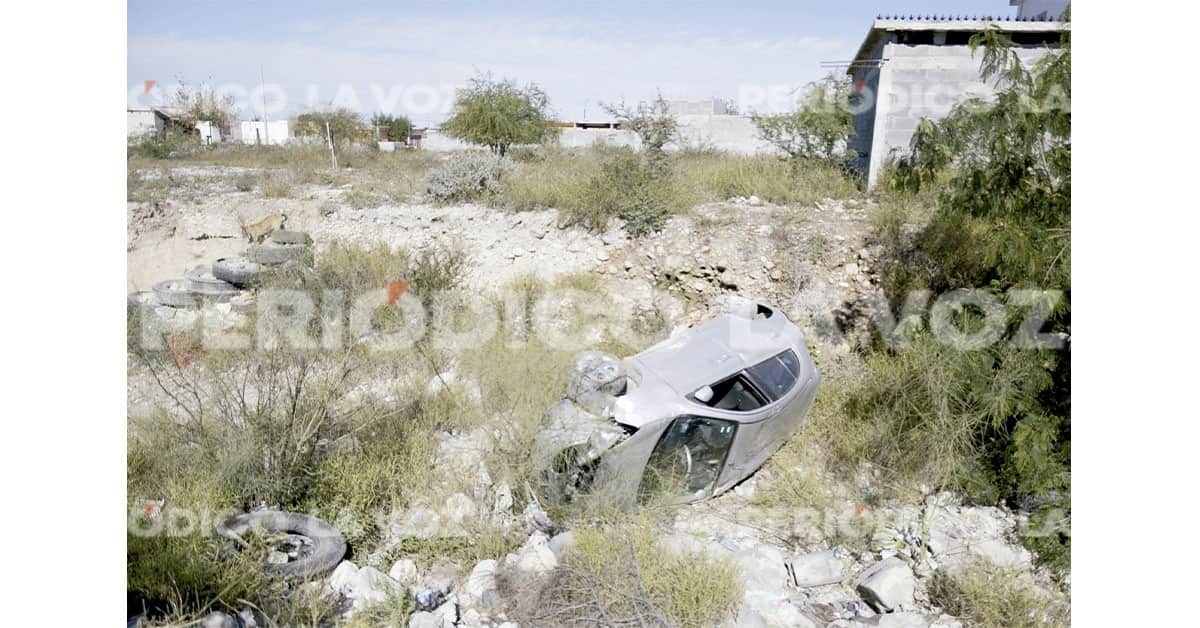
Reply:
x=819, y=126
x=1000, y=171
x=498, y=114
x=344, y=124
x=653, y=124
x=398, y=127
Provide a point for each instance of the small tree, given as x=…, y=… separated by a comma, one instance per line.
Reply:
x=653, y=124
x=202, y=104
x=819, y=126
x=398, y=127
x=498, y=114
x=344, y=124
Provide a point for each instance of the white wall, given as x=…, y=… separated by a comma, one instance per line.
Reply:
x=140, y=122
x=732, y=134
x=256, y=131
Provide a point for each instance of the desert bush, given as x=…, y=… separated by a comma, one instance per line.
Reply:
x=345, y=125
x=467, y=176
x=628, y=187
x=202, y=104
x=620, y=574
x=276, y=185
x=988, y=596
x=165, y=145
x=818, y=128
x=498, y=114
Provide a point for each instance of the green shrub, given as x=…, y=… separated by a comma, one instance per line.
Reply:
x=817, y=130
x=627, y=187
x=165, y=145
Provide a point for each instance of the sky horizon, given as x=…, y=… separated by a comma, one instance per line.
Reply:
x=408, y=58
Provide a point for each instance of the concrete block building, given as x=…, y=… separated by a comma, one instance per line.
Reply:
x=909, y=68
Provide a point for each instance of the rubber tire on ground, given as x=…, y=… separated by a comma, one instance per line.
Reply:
x=202, y=279
x=238, y=271
x=281, y=236
x=275, y=253
x=171, y=293
x=328, y=545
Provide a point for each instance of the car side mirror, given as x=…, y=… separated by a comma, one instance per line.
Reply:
x=704, y=394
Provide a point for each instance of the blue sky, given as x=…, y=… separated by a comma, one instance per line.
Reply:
x=407, y=57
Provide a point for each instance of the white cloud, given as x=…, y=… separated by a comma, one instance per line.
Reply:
x=578, y=64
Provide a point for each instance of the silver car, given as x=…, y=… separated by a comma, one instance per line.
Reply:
x=688, y=418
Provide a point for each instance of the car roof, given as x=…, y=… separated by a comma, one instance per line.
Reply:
x=714, y=350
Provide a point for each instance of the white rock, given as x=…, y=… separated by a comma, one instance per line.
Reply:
x=459, y=509
x=504, y=499
x=403, y=571
x=755, y=201
x=903, y=620
x=370, y=586
x=217, y=619
x=421, y=523
x=887, y=585
x=340, y=580
x=820, y=568
x=534, y=556
x=481, y=585
x=561, y=542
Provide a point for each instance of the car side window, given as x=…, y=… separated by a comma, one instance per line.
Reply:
x=776, y=375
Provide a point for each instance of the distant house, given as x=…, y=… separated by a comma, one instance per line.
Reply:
x=909, y=68
x=146, y=120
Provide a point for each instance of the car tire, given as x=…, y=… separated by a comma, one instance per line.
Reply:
x=290, y=237
x=275, y=253
x=204, y=281
x=238, y=271
x=175, y=293
x=328, y=545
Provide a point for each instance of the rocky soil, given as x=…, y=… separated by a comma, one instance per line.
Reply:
x=814, y=262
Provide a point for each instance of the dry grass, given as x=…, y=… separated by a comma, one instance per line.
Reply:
x=988, y=596
x=618, y=573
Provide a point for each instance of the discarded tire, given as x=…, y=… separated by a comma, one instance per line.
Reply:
x=203, y=283
x=290, y=237
x=175, y=293
x=321, y=545
x=238, y=271
x=275, y=253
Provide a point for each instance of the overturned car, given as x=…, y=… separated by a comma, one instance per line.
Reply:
x=685, y=419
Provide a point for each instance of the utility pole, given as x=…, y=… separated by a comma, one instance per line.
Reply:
x=329, y=138
x=262, y=85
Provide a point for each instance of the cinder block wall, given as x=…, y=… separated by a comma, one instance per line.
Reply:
x=914, y=82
